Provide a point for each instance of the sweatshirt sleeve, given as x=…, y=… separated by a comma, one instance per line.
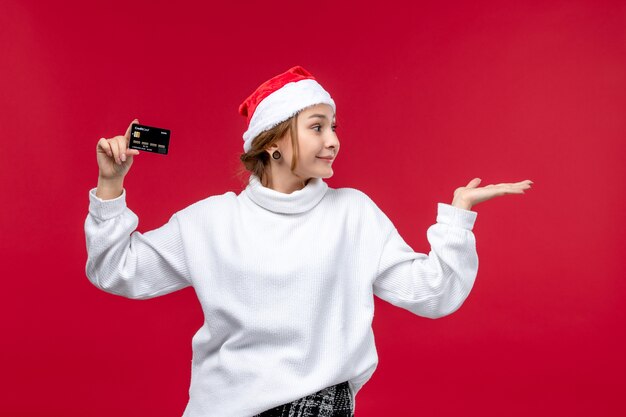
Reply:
x=436, y=284
x=125, y=262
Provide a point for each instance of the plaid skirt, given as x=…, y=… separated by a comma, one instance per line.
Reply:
x=334, y=401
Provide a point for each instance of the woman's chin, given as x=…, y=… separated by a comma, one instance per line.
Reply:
x=327, y=174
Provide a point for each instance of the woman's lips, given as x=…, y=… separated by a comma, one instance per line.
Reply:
x=329, y=159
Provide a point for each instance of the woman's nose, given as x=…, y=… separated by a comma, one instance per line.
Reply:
x=332, y=141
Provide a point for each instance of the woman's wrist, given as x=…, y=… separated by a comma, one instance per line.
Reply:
x=460, y=203
x=109, y=188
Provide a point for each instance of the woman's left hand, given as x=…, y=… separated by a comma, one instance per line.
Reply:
x=466, y=197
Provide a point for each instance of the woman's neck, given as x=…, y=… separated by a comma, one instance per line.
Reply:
x=283, y=184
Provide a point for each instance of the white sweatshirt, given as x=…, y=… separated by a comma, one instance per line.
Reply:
x=286, y=284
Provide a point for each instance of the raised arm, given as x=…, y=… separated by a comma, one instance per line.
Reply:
x=125, y=262
x=436, y=284
x=121, y=260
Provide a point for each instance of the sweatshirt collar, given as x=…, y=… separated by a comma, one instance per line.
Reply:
x=298, y=201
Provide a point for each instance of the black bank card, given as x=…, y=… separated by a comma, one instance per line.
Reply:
x=149, y=138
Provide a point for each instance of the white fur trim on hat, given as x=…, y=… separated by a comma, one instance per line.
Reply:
x=284, y=103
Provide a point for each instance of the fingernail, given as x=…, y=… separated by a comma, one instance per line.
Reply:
x=123, y=157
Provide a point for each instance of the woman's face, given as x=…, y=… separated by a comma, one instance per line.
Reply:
x=318, y=144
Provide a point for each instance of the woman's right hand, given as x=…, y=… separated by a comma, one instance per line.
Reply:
x=114, y=157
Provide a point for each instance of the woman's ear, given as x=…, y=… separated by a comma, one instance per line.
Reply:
x=272, y=148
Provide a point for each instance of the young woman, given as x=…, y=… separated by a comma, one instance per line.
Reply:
x=286, y=270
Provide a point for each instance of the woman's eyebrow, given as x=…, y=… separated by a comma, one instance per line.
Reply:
x=323, y=116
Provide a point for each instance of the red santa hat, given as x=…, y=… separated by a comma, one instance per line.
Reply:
x=279, y=98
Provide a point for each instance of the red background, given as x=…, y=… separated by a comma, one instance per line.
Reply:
x=429, y=95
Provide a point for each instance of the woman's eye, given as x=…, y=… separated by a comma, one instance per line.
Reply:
x=318, y=128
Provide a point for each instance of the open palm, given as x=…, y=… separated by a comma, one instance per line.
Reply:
x=472, y=194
